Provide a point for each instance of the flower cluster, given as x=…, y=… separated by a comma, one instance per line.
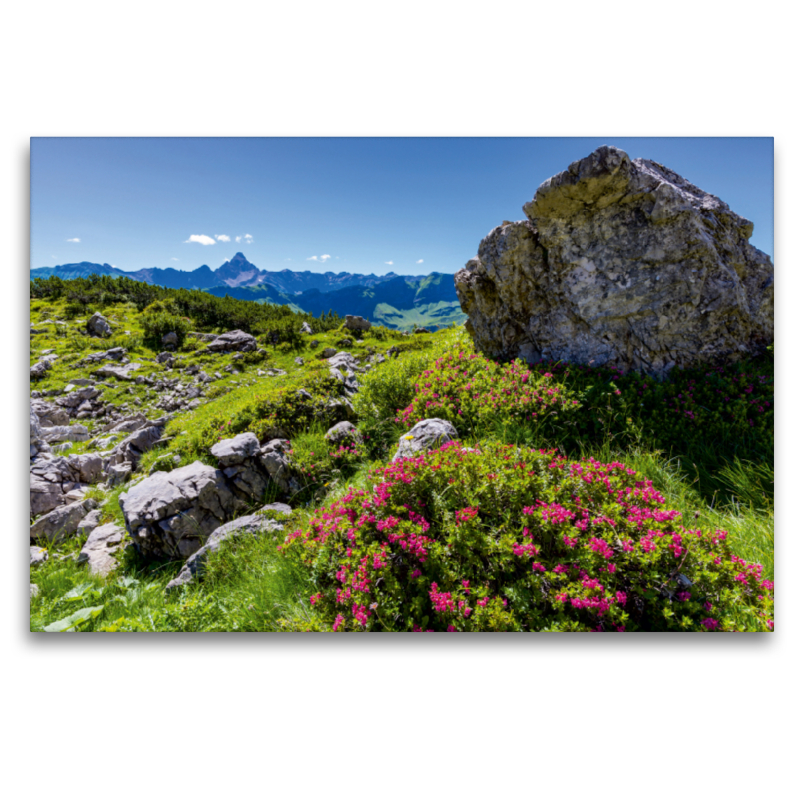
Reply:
x=546, y=544
x=469, y=389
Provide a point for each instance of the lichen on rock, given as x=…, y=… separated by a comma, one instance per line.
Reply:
x=621, y=263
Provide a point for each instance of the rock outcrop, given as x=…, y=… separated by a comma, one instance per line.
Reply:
x=620, y=263
x=425, y=435
x=173, y=513
x=98, y=552
x=233, y=340
x=253, y=525
x=355, y=323
x=62, y=521
x=98, y=325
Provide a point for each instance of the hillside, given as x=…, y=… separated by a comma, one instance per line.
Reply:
x=187, y=476
x=409, y=300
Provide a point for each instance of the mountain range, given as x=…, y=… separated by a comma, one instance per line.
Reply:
x=391, y=300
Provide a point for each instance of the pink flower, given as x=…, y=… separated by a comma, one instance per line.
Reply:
x=710, y=624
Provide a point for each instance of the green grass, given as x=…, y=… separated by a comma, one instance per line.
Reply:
x=725, y=481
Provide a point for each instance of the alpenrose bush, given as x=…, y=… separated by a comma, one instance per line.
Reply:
x=502, y=538
x=466, y=387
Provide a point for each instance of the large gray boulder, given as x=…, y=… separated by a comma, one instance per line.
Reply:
x=38, y=444
x=343, y=432
x=276, y=459
x=354, y=323
x=65, y=433
x=98, y=325
x=425, y=435
x=620, y=263
x=62, y=521
x=233, y=340
x=54, y=480
x=253, y=525
x=239, y=459
x=49, y=414
x=173, y=513
x=98, y=552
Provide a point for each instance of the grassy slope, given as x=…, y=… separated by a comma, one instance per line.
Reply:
x=249, y=585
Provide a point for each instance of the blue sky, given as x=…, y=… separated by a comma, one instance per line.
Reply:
x=411, y=205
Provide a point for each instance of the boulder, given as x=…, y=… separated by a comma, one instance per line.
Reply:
x=133, y=447
x=343, y=432
x=236, y=450
x=65, y=433
x=38, y=555
x=39, y=369
x=356, y=323
x=112, y=354
x=170, y=339
x=89, y=523
x=61, y=522
x=98, y=551
x=34, y=590
x=122, y=373
x=37, y=444
x=49, y=414
x=306, y=328
x=173, y=513
x=275, y=459
x=98, y=325
x=54, y=480
x=233, y=340
x=329, y=352
x=425, y=435
x=620, y=263
x=253, y=525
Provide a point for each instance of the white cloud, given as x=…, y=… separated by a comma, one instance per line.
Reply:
x=200, y=239
x=174, y=259
x=321, y=259
x=221, y=237
x=238, y=238
x=248, y=236
x=73, y=240
x=419, y=262
x=389, y=263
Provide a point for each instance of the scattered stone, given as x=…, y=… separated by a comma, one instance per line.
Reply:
x=233, y=340
x=425, y=435
x=66, y=433
x=120, y=373
x=61, y=522
x=173, y=513
x=306, y=328
x=39, y=370
x=314, y=343
x=170, y=339
x=202, y=337
x=329, y=352
x=53, y=479
x=621, y=263
x=98, y=551
x=98, y=325
x=34, y=590
x=357, y=323
x=236, y=450
x=89, y=522
x=253, y=525
x=299, y=361
x=343, y=432
x=276, y=460
x=38, y=555
x=49, y=414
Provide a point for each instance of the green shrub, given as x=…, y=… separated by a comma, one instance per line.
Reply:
x=156, y=323
x=507, y=538
x=477, y=394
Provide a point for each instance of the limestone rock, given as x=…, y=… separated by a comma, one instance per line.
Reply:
x=254, y=525
x=89, y=523
x=425, y=435
x=170, y=339
x=38, y=555
x=354, y=323
x=65, y=433
x=173, y=513
x=306, y=328
x=236, y=450
x=61, y=522
x=329, y=352
x=98, y=551
x=49, y=414
x=276, y=460
x=621, y=263
x=343, y=432
x=98, y=325
x=34, y=590
x=233, y=340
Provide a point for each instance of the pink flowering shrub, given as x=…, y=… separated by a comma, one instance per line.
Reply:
x=504, y=538
x=471, y=391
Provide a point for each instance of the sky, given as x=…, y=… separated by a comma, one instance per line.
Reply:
x=365, y=205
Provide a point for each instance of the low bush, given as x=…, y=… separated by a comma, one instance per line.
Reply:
x=477, y=394
x=507, y=538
